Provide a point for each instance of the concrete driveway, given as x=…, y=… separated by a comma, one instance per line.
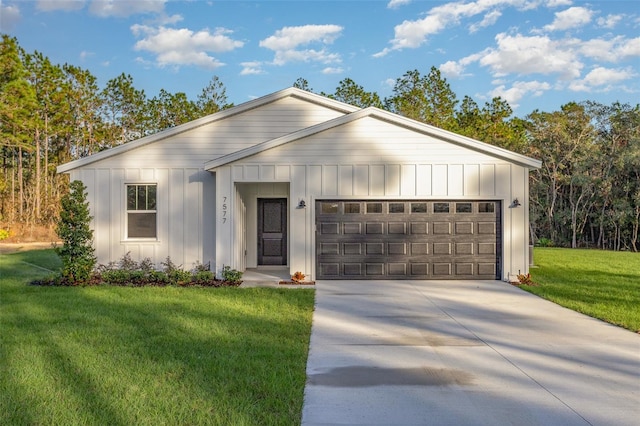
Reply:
x=464, y=353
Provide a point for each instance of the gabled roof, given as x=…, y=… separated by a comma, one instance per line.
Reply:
x=221, y=115
x=389, y=117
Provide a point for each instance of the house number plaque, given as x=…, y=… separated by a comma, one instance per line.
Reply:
x=224, y=209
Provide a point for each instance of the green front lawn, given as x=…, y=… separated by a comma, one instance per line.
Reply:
x=148, y=356
x=601, y=284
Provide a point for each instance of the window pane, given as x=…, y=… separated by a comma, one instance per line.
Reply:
x=352, y=207
x=374, y=207
x=463, y=207
x=131, y=197
x=396, y=207
x=151, y=197
x=486, y=207
x=142, y=197
x=141, y=225
x=329, y=208
x=418, y=207
x=441, y=207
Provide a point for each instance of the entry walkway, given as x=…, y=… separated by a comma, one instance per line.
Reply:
x=464, y=353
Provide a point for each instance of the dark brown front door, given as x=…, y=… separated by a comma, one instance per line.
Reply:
x=272, y=231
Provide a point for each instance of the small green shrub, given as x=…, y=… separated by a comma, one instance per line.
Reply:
x=4, y=234
x=231, y=275
x=544, y=242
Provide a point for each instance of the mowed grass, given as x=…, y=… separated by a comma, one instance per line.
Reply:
x=148, y=356
x=601, y=284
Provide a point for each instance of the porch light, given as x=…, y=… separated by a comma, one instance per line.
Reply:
x=515, y=203
x=302, y=204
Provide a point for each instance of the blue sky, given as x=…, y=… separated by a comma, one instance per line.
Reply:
x=536, y=54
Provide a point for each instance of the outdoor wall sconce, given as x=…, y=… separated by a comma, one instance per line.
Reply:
x=515, y=203
x=302, y=204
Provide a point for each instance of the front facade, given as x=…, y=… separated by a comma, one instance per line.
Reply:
x=300, y=181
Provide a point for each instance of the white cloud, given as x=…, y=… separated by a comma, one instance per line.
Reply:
x=519, y=90
x=333, y=70
x=558, y=3
x=601, y=76
x=610, y=21
x=532, y=55
x=285, y=44
x=124, y=8
x=65, y=5
x=291, y=37
x=9, y=17
x=183, y=46
x=571, y=18
x=611, y=50
x=488, y=20
x=251, y=68
x=412, y=34
x=394, y=4
x=455, y=69
x=452, y=69
x=84, y=55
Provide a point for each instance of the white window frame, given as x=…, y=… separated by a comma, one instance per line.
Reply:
x=127, y=211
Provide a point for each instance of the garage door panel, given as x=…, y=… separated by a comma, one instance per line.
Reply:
x=442, y=269
x=329, y=228
x=375, y=269
x=369, y=239
x=352, y=228
x=419, y=228
x=464, y=228
x=374, y=248
x=442, y=228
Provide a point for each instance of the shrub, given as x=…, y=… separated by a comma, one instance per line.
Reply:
x=232, y=276
x=4, y=234
x=77, y=252
x=544, y=242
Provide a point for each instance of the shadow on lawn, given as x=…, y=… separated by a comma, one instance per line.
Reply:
x=125, y=356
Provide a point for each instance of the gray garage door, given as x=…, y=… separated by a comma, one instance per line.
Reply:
x=375, y=239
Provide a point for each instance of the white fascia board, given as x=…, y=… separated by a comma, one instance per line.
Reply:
x=392, y=118
x=221, y=115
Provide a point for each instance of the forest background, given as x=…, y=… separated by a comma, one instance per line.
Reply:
x=587, y=193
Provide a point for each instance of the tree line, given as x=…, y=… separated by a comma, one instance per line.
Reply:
x=587, y=193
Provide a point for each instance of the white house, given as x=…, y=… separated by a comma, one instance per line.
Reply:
x=317, y=186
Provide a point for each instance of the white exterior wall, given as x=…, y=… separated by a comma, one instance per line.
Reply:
x=369, y=158
x=187, y=206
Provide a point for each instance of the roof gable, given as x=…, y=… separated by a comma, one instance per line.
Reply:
x=221, y=115
x=391, y=118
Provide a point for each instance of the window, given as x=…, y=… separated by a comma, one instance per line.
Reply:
x=141, y=211
x=418, y=207
x=441, y=207
x=352, y=207
x=463, y=208
x=486, y=207
x=374, y=207
x=329, y=208
x=396, y=207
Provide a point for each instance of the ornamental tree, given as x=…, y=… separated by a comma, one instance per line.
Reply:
x=77, y=252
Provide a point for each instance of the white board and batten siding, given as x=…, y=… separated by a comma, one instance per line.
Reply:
x=373, y=159
x=186, y=196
